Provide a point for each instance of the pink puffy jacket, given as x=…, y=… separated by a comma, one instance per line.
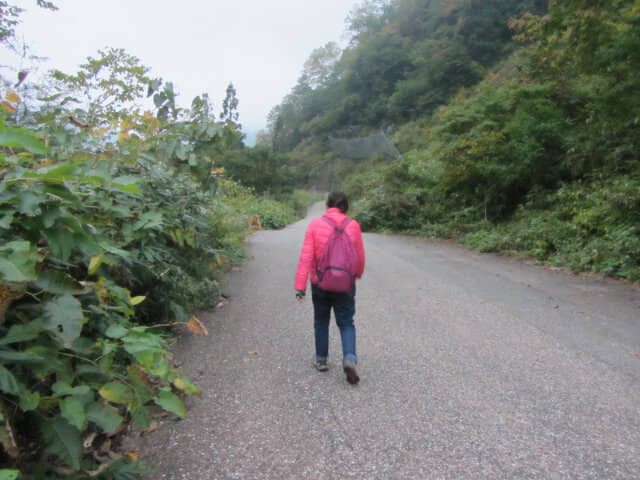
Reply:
x=315, y=239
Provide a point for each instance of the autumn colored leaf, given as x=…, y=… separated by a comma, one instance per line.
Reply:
x=12, y=97
x=153, y=425
x=135, y=456
x=116, y=392
x=197, y=327
x=8, y=107
x=186, y=386
x=95, y=263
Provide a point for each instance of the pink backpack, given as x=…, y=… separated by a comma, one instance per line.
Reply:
x=337, y=268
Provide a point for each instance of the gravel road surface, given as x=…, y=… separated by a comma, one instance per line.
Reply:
x=472, y=367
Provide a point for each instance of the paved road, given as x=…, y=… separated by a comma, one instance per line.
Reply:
x=472, y=367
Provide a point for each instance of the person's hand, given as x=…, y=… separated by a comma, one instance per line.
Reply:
x=300, y=295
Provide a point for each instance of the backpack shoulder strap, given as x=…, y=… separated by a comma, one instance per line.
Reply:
x=329, y=221
x=335, y=225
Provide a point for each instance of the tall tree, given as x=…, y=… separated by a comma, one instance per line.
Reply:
x=229, y=114
x=320, y=66
x=110, y=84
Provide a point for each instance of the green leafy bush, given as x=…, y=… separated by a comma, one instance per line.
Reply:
x=97, y=258
x=247, y=209
x=585, y=226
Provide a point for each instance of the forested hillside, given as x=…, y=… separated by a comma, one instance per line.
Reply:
x=517, y=124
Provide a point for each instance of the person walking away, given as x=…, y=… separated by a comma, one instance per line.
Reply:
x=332, y=257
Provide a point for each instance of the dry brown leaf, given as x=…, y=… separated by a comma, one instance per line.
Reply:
x=197, y=327
x=141, y=373
x=635, y=354
x=99, y=470
x=152, y=426
x=135, y=456
x=8, y=107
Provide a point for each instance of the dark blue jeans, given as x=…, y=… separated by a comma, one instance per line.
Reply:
x=344, y=308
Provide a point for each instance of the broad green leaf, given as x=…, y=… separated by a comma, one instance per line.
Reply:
x=6, y=220
x=64, y=318
x=127, y=180
x=60, y=366
x=55, y=173
x=59, y=190
x=29, y=400
x=57, y=282
x=61, y=242
x=116, y=331
x=61, y=388
x=114, y=250
x=22, y=333
x=72, y=410
x=17, y=138
x=8, y=382
x=9, y=474
x=63, y=440
x=11, y=356
x=180, y=151
x=137, y=300
x=18, y=261
x=116, y=392
x=171, y=403
x=184, y=385
x=133, y=189
x=155, y=361
x=153, y=86
x=105, y=416
x=158, y=99
x=95, y=263
x=213, y=131
x=142, y=416
x=86, y=244
x=143, y=391
x=148, y=220
x=29, y=202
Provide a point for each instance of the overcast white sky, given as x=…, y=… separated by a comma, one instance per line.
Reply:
x=199, y=45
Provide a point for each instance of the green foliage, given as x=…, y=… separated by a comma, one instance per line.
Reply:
x=590, y=226
x=78, y=240
x=245, y=206
x=540, y=159
x=259, y=168
x=109, y=233
x=109, y=84
x=405, y=59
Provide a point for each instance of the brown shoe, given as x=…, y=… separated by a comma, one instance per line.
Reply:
x=350, y=371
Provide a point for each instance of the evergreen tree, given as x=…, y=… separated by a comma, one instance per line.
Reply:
x=229, y=114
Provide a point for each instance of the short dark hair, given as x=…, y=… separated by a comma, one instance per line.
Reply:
x=339, y=200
